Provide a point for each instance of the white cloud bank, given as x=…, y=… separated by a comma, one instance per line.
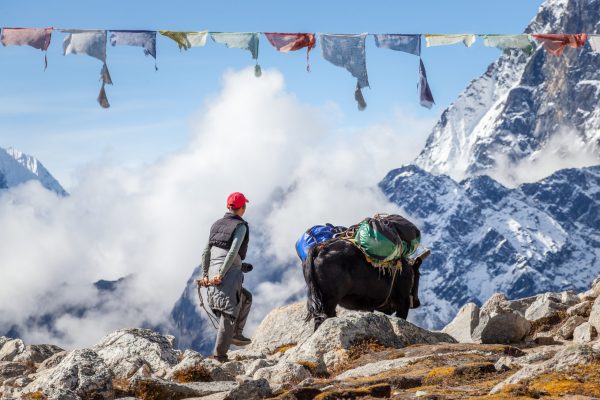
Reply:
x=152, y=222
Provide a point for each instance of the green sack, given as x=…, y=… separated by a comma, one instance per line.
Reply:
x=387, y=238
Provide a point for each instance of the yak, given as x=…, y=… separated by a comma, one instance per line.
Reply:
x=337, y=272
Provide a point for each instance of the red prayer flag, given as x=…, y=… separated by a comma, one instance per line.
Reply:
x=556, y=43
x=285, y=42
x=38, y=38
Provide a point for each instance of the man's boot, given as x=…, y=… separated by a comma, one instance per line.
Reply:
x=240, y=340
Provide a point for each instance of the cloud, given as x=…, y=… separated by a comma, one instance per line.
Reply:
x=566, y=149
x=152, y=222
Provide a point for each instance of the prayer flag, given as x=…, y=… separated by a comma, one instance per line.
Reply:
x=348, y=51
x=38, y=38
x=145, y=39
x=595, y=43
x=424, y=89
x=285, y=42
x=240, y=40
x=445, y=40
x=556, y=44
x=407, y=43
x=93, y=44
x=505, y=42
x=186, y=40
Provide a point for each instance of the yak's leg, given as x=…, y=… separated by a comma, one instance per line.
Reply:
x=402, y=307
x=329, y=307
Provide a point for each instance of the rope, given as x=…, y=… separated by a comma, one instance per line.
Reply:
x=213, y=320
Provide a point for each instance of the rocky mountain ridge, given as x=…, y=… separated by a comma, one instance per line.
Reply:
x=544, y=345
x=523, y=103
x=17, y=167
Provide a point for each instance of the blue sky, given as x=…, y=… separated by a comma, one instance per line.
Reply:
x=54, y=116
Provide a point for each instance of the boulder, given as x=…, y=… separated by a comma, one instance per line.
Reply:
x=250, y=389
x=10, y=369
x=463, y=325
x=52, y=361
x=499, y=323
x=562, y=360
x=408, y=334
x=11, y=348
x=234, y=368
x=581, y=309
x=568, y=327
x=37, y=353
x=584, y=333
x=157, y=388
x=328, y=346
x=281, y=327
x=378, y=367
x=283, y=373
x=594, y=291
x=126, y=350
x=81, y=372
x=258, y=364
x=550, y=304
x=595, y=315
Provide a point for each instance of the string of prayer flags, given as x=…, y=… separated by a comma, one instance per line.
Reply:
x=594, y=43
x=186, y=40
x=426, y=97
x=144, y=39
x=448, y=39
x=38, y=38
x=285, y=42
x=348, y=51
x=93, y=44
x=240, y=40
x=555, y=43
x=505, y=42
x=407, y=43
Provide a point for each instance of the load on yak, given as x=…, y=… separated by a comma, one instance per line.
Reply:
x=366, y=267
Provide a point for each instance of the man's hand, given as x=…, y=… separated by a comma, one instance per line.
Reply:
x=204, y=282
x=216, y=280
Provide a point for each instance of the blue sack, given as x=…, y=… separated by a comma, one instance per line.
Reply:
x=315, y=235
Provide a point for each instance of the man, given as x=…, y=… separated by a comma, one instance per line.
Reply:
x=223, y=275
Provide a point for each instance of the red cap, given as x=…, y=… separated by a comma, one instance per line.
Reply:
x=236, y=200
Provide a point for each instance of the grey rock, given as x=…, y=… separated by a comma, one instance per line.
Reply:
x=550, y=304
x=10, y=369
x=126, y=350
x=378, y=367
x=584, y=333
x=37, y=353
x=164, y=389
x=216, y=370
x=250, y=390
x=581, y=309
x=562, y=360
x=52, y=361
x=463, y=325
x=61, y=394
x=282, y=326
x=327, y=347
x=408, y=334
x=245, y=355
x=234, y=368
x=595, y=315
x=505, y=363
x=11, y=348
x=283, y=373
x=498, y=323
x=189, y=360
x=258, y=364
x=568, y=327
x=81, y=372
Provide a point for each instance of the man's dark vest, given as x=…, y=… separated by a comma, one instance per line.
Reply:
x=221, y=233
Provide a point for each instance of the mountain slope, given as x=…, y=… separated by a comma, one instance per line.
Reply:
x=17, y=167
x=486, y=238
x=521, y=106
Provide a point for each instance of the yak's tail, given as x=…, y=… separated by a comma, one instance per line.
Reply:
x=314, y=302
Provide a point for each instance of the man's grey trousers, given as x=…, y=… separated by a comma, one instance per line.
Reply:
x=230, y=327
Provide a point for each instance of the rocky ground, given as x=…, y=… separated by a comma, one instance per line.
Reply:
x=542, y=346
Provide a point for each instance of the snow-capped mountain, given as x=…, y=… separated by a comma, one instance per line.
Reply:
x=521, y=104
x=487, y=238
x=17, y=167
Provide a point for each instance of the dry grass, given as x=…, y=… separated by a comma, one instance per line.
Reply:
x=378, y=391
x=197, y=373
x=580, y=380
x=34, y=396
x=366, y=351
x=283, y=348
